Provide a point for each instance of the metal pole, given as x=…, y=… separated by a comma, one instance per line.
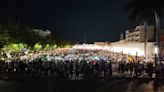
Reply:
x=136, y=56
x=85, y=37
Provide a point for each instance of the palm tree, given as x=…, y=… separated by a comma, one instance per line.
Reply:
x=143, y=10
x=148, y=11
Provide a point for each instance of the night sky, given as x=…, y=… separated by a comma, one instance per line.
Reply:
x=101, y=20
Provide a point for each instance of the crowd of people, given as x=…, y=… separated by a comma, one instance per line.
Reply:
x=141, y=69
x=82, y=63
x=60, y=69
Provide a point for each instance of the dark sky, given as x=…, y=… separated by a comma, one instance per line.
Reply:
x=101, y=20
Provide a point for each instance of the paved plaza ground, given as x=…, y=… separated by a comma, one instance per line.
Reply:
x=49, y=84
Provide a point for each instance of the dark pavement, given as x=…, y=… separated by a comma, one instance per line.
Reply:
x=63, y=85
x=18, y=83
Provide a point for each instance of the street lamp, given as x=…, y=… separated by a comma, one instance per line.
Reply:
x=156, y=50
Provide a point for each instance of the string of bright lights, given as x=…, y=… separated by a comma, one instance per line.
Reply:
x=131, y=50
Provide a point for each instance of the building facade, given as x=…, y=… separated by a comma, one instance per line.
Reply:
x=138, y=34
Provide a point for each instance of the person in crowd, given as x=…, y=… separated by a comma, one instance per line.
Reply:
x=150, y=69
x=162, y=70
x=110, y=68
x=122, y=68
x=77, y=70
x=71, y=68
x=10, y=67
x=131, y=68
x=158, y=68
x=53, y=68
x=67, y=68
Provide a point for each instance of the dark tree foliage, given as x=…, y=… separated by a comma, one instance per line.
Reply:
x=16, y=32
x=143, y=10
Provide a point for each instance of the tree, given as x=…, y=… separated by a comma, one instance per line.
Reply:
x=37, y=47
x=13, y=32
x=4, y=39
x=13, y=47
x=143, y=10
